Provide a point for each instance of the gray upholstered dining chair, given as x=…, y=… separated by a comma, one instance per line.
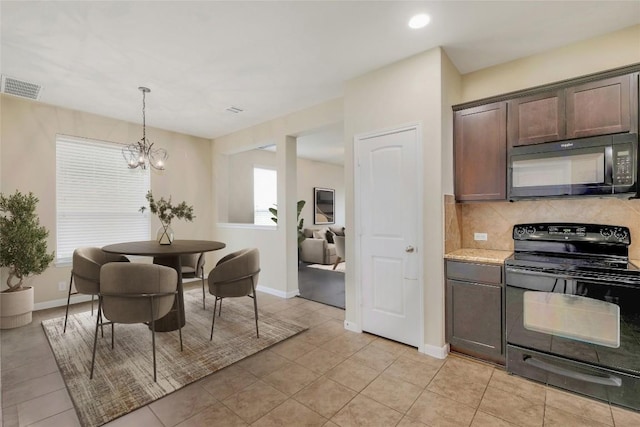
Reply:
x=235, y=275
x=85, y=271
x=135, y=293
x=339, y=242
x=192, y=265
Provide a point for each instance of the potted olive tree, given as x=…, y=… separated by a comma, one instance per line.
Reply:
x=23, y=250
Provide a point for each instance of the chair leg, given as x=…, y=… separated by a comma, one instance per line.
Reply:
x=213, y=322
x=153, y=339
x=179, y=326
x=101, y=322
x=92, y=305
x=66, y=314
x=335, y=264
x=220, y=309
x=255, y=306
x=95, y=339
x=203, y=293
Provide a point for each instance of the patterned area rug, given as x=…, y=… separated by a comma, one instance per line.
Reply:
x=340, y=268
x=123, y=377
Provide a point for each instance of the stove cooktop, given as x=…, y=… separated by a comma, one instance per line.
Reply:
x=569, y=262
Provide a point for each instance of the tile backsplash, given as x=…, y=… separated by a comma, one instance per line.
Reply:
x=497, y=219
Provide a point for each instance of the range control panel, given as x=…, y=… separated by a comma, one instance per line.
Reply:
x=595, y=233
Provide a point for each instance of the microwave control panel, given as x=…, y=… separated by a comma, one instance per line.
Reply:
x=623, y=167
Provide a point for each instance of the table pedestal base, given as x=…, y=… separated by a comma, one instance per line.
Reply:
x=170, y=321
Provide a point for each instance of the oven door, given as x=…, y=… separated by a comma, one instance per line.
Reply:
x=578, y=334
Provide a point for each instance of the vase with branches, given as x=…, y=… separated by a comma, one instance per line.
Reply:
x=166, y=212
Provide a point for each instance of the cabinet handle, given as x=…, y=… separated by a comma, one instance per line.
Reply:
x=410, y=249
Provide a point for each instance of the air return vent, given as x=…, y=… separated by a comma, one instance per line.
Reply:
x=20, y=88
x=234, y=110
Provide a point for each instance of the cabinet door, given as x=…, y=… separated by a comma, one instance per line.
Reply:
x=536, y=118
x=480, y=141
x=474, y=318
x=599, y=108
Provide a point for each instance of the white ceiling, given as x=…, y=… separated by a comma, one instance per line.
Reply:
x=268, y=58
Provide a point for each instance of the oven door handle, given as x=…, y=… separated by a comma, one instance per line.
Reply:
x=539, y=273
x=545, y=366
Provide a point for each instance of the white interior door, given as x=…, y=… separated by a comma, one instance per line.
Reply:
x=389, y=231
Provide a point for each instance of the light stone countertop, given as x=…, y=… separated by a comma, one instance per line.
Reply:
x=479, y=255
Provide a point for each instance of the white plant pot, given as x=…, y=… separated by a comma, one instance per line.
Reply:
x=16, y=308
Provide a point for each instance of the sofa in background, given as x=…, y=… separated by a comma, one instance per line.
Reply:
x=318, y=246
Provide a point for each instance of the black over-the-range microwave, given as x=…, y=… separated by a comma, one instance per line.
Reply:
x=602, y=165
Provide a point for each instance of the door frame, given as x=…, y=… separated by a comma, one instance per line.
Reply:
x=357, y=140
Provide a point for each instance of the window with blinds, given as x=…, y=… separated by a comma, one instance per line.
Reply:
x=97, y=196
x=265, y=195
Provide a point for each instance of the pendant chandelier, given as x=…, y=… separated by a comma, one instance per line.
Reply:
x=142, y=154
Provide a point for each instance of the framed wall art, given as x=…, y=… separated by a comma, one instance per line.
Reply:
x=324, y=206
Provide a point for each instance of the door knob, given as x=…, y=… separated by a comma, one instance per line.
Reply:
x=410, y=249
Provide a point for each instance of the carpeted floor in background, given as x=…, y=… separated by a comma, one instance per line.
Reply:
x=340, y=268
x=123, y=377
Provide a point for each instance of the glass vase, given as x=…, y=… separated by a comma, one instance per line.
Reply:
x=164, y=234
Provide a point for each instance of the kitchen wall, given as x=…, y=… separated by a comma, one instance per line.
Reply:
x=28, y=163
x=497, y=218
x=602, y=53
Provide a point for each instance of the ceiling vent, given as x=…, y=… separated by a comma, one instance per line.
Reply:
x=20, y=88
x=234, y=110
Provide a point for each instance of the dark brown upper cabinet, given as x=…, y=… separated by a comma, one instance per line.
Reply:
x=599, y=108
x=536, y=118
x=480, y=146
x=595, y=108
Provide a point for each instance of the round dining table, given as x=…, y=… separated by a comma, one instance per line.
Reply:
x=168, y=255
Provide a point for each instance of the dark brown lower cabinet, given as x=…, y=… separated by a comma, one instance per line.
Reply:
x=474, y=310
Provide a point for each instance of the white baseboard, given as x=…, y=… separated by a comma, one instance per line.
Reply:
x=352, y=326
x=433, y=351
x=75, y=299
x=277, y=292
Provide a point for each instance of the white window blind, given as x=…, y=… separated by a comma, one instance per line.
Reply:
x=97, y=196
x=265, y=195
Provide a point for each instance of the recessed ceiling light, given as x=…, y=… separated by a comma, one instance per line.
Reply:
x=419, y=21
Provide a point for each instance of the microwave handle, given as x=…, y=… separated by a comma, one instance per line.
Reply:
x=608, y=165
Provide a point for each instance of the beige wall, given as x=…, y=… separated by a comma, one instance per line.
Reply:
x=610, y=51
x=277, y=276
x=239, y=201
x=409, y=91
x=27, y=153
x=313, y=174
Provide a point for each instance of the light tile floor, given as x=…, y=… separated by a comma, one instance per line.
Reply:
x=326, y=376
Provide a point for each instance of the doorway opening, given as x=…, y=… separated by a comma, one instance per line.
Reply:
x=321, y=184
